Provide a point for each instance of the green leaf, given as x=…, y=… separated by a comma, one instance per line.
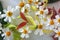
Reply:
x=11, y=25
x=16, y=35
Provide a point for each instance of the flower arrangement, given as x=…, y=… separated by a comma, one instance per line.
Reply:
x=27, y=17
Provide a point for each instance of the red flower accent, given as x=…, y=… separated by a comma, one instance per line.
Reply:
x=54, y=13
x=59, y=11
x=54, y=37
x=23, y=16
x=21, y=25
x=53, y=17
x=49, y=11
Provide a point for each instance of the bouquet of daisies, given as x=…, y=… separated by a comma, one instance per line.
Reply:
x=27, y=17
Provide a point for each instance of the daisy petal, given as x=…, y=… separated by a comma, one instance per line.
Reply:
x=3, y=15
x=22, y=35
x=27, y=36
x=9, y=8
x=57, y=16
x=41, y=32
x=4, y=11
x=55, y=30
x=46, y=11
x=0, y=12
x=6, y=19
x=56, y=35
x=9, y=19
x=3, y=35
x=36, y=32
x=21, y=30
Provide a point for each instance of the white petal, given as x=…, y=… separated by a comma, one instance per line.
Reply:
x=57, y=16
x=46, y=11
x=22, y=10
x=4, y=11
x=41, y=8
x=9, y=8
x=17, y=7
x=37, y=13
x=3, y=15
x=56, y=35
x=27, y=36
x=41, y=33
x=3, y=35
x=0, y=12
x=55, y=30
x=21, y=30
x=6, y=19
x=27, y=5
x=9, y=19
x=22, y=35
x=51, y=27
x=36, y=32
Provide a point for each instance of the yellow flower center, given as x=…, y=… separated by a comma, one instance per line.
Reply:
x=21, y=4
x=40, y=26
x=30, y=1
x=25, y=31
x=41, y=12
x=9, y=14
x=8, y=33
x=59, y=20
x=51, y=22
x=36, y=2
x=58, y=33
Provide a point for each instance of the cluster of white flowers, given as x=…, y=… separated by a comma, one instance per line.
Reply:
x=39, y=18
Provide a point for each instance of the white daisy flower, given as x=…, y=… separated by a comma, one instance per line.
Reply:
x=50, y=24
x=57, y=20
x=39, y=30
x=10, y=13
x=42, y=13
x=25, y=32
x=57, y=32
x=7, y=33
x=26, y=8
x=21, y=4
